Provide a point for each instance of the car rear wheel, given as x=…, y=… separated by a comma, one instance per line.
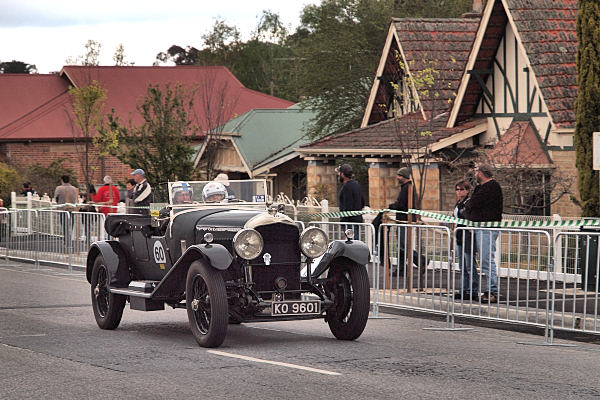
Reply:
x=108, y=307
x=348, y=284
x=206, y=301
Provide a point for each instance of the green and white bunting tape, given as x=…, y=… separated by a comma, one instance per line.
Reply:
x=454, y=220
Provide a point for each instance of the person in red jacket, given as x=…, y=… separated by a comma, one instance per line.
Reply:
x=108, y=195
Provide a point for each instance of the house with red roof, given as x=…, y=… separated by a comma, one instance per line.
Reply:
x=37, y=122
x=509, y=89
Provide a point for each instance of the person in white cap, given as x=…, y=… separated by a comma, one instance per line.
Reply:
x=224, y=179
x=108, y=195
x=142, y=191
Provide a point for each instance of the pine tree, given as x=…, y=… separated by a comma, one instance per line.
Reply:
x=587, y=106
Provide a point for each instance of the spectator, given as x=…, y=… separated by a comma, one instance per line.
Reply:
x=486, y=205
x=27, y=189
x=130, y=185
x=67, y=194
x=224, y=179
x=108, y=196
x=142, y=193
x=401, y=204
x=350, y=196
x=464, y=246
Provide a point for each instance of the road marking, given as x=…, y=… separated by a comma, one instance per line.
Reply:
x=49, y=275
x=31, y=335
x=279, y=363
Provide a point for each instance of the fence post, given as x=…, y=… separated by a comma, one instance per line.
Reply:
x=324, y=209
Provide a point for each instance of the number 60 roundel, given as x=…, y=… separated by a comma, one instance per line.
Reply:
x=159, y=253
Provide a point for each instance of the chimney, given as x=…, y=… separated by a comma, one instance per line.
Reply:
x=477, y=10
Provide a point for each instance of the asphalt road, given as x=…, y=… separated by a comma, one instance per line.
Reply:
x=51, y=348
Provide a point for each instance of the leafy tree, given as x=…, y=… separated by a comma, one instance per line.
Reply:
x=162, y=144
x=88, y=104
x=340, y=43
x=587, y=105
x=45, y=178
x=17, y=67
x=9, y=182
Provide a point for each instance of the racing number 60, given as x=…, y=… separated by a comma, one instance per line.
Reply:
x=159, y=253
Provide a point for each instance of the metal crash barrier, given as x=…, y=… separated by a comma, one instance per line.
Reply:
x=545, y=278
x=49, y=236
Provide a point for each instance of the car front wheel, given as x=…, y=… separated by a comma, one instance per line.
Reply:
x=206, y=302
x=348, y=284
x=108, y=307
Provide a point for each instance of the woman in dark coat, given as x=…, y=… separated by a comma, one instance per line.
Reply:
x=464, y=246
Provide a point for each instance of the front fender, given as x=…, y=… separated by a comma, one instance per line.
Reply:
x=355, y=250
x=114, y=259
x=216, y=255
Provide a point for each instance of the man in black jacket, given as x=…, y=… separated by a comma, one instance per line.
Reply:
x=486, y=205
x=401, y=204
x=350, y=197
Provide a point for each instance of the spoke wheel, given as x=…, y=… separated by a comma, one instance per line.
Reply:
x=108, y=307
x=206, y=302
x=348, y=285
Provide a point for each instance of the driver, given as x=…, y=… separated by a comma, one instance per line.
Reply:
x=182, y=193
x=214, y=192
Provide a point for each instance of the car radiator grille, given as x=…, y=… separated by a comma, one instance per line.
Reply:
x=281, y=242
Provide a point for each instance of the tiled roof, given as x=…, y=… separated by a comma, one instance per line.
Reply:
x=520, y=145
x=41, y=110
x=448, y=41
x=547, y=31
x=403, y=133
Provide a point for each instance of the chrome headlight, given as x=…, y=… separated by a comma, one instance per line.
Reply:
x=313, y=242
x=248, y=244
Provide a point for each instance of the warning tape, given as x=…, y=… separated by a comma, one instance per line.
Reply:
x=461, y=221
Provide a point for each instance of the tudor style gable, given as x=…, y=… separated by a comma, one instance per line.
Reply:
x=522, y=67
x=414, y=45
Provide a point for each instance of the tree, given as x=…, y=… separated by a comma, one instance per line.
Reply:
x=340, y=44
x=418, y=109
x=587, y=105
x=531, y=185
x=45, y=178
x=119, y=57
x=88, y=104
x=90, y=57
x=161, y=145
x=9, y=182
x=17, y=67
x=216, y=105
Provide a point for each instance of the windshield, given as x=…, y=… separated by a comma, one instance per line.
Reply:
x=186, y=193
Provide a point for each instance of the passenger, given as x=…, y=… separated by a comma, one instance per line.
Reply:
x=214, y=192
x=224, y=179
x=182, y=193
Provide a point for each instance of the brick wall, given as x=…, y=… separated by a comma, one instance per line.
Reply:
x=321, y=177
x=565, y=163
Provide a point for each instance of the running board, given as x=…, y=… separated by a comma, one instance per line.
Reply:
x=131, y=293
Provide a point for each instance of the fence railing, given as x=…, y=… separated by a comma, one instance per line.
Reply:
x=51, y=236
x=548, y=279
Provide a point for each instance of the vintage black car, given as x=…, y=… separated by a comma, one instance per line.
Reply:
x=224, y=253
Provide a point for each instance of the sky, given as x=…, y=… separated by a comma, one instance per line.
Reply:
x=47, y=32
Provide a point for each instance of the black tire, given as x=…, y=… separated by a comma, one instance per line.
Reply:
x=108, y=307
x=348, y=285
x=206, y=303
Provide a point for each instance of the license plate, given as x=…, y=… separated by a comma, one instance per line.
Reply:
x=295, y=307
